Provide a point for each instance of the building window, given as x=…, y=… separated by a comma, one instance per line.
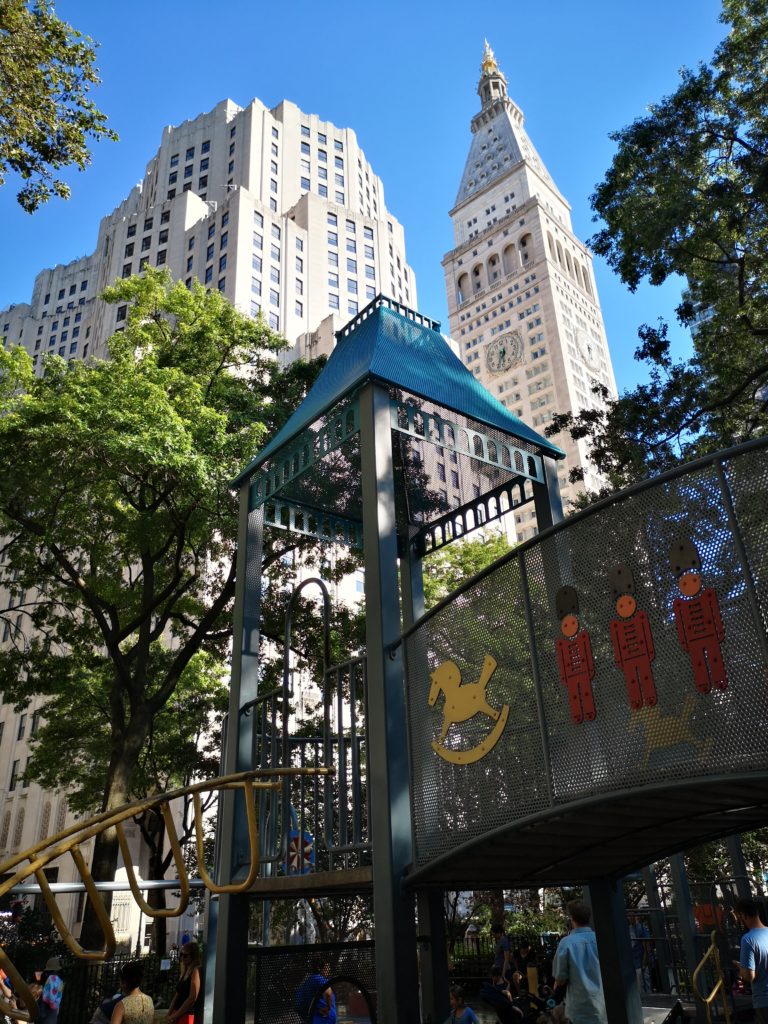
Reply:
x=162, y=238
x=275, y=133
x=191, y=244
x=258, y=241
x=202, y=182
x=333, y=238
x=170, y=194
x=351, y=245
x=206, y=146
x=274, y=321
x=351, y=266
x=299, y=245
x=333, y=259
x=258, y=220
x=173, y=177
x=223, y=240
x=274, y=275
x=368, y=233
x=190, y=260
x=208, y=275
x=352, y=286
x=222, y=283
x=233, y=131
x=274, y=297
x=122, y=312
x=146, y=243
x=273, y=205
x=370, y=272
x=188, y=171
x=340, y=198
x=143, y=262
x=22, y=727
x=204, y=165
x=300, y=264
x=222, y=262
x=256, y=263
x=305, y=130
x=175, y=160
x=352, y=308
x=333, y=280
x=304, y=184
x=274, y=252
x=370, y=293
x=231, y=168
x=333, y=300
x=129, y=250
x=276, y=233
x=299, y=308
x=225, y=218
x=256, y=286
x=14, y=779
x=209, y=251
x=299, y=286
x=255, y=309
x=305, y=148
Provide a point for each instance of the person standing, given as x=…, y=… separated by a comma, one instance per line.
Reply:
x=136, y=1007
x=502, y=956
x=576, y=965
x=753, y=956
x=188, y=995
x=640, y=938
x=53, y=988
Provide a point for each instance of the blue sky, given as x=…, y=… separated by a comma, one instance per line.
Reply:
x=404, y=76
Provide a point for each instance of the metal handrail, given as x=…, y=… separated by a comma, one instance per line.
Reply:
x=719, y=988
x=33, y=860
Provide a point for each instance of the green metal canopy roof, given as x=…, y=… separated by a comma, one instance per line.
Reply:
x=406, y=350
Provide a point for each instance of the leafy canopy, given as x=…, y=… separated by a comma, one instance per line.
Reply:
x=686, y=196
x=119, y=528
x=46, y=118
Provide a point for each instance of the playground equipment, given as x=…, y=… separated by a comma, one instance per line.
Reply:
x=617, y=664
x=711, y=959
x=32, y=862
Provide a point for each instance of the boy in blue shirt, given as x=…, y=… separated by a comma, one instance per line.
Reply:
x=753, y=958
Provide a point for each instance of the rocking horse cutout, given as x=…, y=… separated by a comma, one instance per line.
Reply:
x=462, y=702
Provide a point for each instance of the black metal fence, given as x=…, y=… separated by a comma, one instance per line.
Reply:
x=87, y=984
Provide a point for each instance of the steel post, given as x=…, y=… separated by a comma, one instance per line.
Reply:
x=226, y=953
x=396, y=972
x=687, y=923
x=617, y=966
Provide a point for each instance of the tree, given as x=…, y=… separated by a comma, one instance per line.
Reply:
x=685, y=196
x=451, y=566
x=46, y=119
x=119, y=526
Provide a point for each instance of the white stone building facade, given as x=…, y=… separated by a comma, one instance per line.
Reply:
x=522, y=300
x=282, y=213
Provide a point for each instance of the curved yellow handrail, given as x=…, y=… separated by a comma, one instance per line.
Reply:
x=32, y=861
x=718, y=988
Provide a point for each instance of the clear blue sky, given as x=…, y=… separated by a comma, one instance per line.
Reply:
x=403, y=75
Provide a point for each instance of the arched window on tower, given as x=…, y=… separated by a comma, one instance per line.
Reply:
x=568, y=263
x=551, y=245
x=508, y=260
x=493, y=268
x=478, y=278
x=559, y=253
x=462, y=289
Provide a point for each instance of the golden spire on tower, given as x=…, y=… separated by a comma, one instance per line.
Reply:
x=489, y=65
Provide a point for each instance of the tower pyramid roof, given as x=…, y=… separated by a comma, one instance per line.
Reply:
x=499, y=138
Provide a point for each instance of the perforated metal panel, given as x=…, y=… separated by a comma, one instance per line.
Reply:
x=544, y=760
x=276, y=972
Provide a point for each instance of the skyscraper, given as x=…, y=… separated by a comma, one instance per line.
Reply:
x=522, y=302
x=277, y=209
x=283, y=214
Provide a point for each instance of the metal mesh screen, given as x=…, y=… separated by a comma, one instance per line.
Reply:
x=543, y=758
x=276, y=972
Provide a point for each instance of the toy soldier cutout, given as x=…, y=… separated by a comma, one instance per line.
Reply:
x=697, y=614
x=574, y=657
x=632, y=641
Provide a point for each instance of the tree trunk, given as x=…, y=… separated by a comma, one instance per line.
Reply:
x=155, y=827
x=106, y=850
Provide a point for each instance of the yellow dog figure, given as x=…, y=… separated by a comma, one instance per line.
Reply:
x=462, y=700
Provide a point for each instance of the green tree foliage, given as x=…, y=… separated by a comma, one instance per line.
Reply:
x=46, y=118
x=685, y=197
x=119, y=529
x=453, y=565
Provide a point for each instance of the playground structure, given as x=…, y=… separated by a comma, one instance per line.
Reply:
x=617, y=665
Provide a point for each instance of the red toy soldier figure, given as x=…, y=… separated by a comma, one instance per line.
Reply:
x=632, y=640
x=574, y=656
x=697, y=614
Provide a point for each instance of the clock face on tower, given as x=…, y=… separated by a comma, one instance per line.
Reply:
x=587, y=349
x=504, y=352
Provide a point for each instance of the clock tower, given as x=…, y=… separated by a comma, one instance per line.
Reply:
x=522, y=301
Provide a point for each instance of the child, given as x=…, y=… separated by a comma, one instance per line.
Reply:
x=460, y=1014
x=499, y=983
